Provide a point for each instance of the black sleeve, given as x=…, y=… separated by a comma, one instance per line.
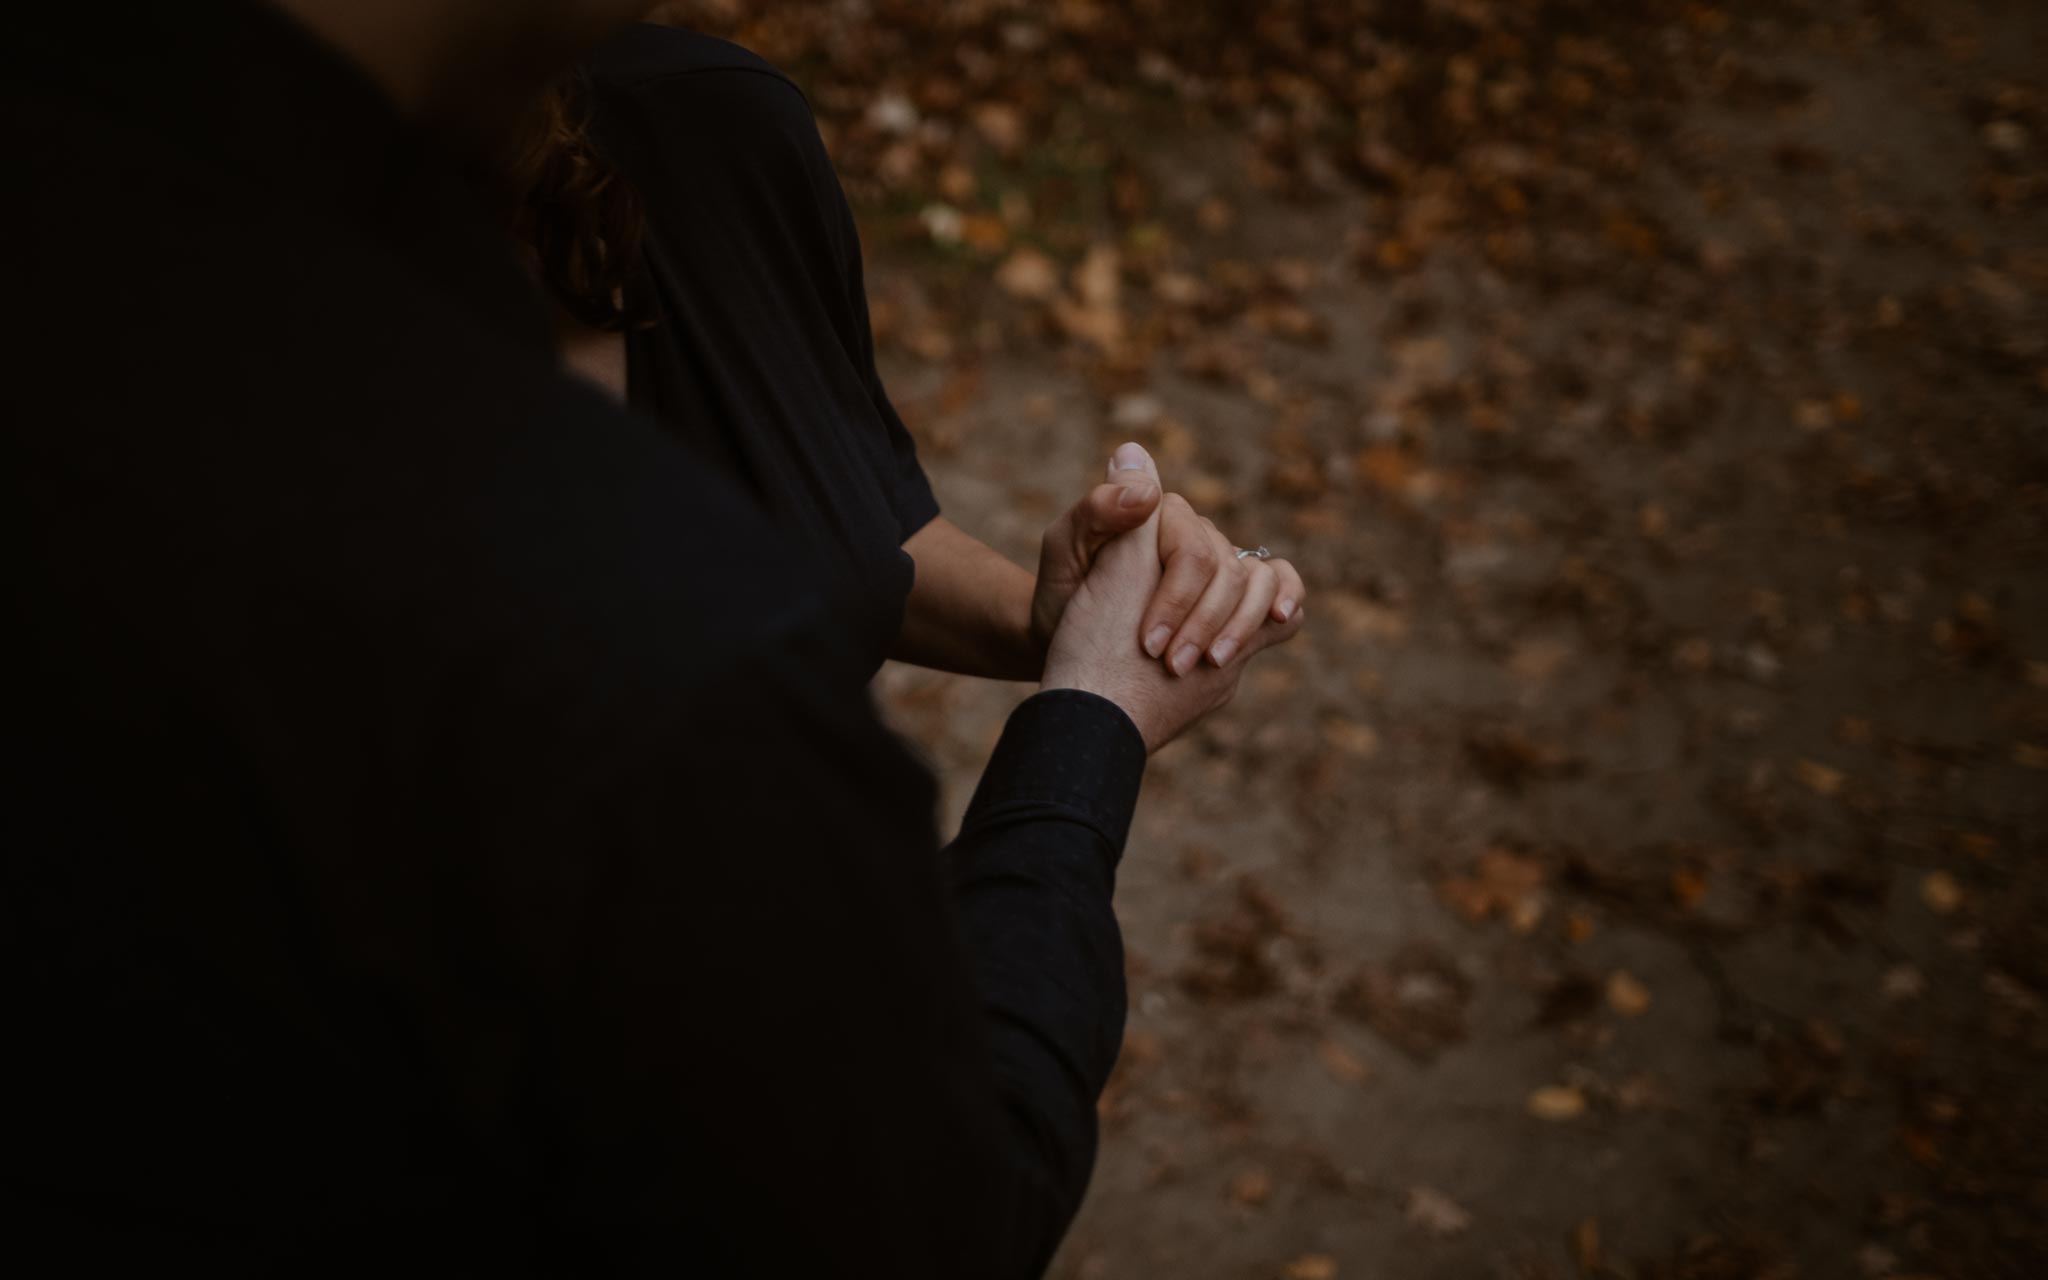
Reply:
x=729, y=157
x=780, y=1060
x=790, y=126
x=1035, y=867
x=911, y=494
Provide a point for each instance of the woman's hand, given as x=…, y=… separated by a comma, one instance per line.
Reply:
x=1208, y=604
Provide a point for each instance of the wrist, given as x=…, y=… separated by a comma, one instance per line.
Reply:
x=1035, y=638
x=1029, y=632
x=1079, y=678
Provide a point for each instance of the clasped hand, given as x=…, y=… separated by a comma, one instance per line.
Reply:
x=1148, y=605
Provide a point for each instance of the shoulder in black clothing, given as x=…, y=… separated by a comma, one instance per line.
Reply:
x=686, y=91
x=649, y=51
x=762, y=357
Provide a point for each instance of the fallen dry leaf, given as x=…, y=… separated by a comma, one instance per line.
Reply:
x=1235, y=952
x=1941, y=893
x=1344, y=1066
x=1502, y=884
x=1416, y=1002
x=1976, y=844
x=1359, y=618
x=1435, y=1212
x=1586, y=1245
x=1818, y=778
x=1902, y=982
x=1814, y=415
x=1509, y=757
x=945, y=224
x=1002, y=125
x=1688, y=886
x=1539, y=658
x=984, y=233
x=1922, y=1145
x=1557, y=1102
x=1251, y=1188
x=1136, y=411
x=958, y=184
x=1694, y=656
x=1855, y=731
x=1098, y=280
x=1029, y=274
x=1351, y=737
x=1627, y=995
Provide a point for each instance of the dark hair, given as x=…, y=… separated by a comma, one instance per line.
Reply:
x=582, y=219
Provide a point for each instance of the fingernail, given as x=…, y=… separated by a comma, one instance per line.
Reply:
x=1129, y=457
x=1285, y=609
x=1219, y=653
x=1155, y=640
x=1135, y=495
x=1184, y=659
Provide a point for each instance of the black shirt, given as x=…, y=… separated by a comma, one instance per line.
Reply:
x=419, y=852
x=761, y=354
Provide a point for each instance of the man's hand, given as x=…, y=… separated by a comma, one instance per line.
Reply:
x=1207, y=604
x=1095, y=646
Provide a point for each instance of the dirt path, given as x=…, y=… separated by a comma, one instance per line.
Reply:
x=1637, y=868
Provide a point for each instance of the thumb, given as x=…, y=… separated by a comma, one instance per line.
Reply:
x=1110, y=510
x=1130, y=464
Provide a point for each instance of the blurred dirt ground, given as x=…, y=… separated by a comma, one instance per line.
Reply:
x=1636, y=869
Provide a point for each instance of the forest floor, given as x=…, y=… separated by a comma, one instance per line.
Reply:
x=1639, y=866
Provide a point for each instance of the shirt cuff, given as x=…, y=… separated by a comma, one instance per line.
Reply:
x=1069, y=750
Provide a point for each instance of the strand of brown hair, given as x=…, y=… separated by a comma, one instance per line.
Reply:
x=582, y=220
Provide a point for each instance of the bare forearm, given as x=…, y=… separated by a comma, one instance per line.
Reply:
x=969, y=608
